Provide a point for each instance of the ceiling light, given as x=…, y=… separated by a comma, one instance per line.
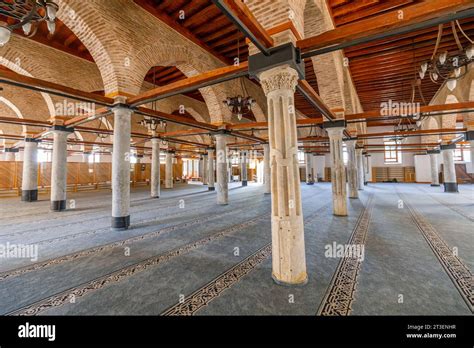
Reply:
x=5, y=35
x=442, y=57
x=451, y=84
x=27, y=28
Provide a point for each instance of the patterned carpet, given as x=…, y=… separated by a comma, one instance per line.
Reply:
x=185, y=255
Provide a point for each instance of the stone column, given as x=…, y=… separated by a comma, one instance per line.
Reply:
x=243, y=167
x=205, y=170
x=59, y=169
x=121, y=169
x=169, y=170
x=434, y=165
x=368, y=168
x=29, y=181
x=308, y=167
x=315, y=167
x=288, y=247
x=222, y=184
x=352, y=169
x=360, y=169
x=266, y=169
x=210, y=172
x=155, y=168
x=201, y=168
x=229, y=170
x=449, y=170
x=338, y=175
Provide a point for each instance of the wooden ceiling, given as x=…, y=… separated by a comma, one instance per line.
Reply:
x=386, y=69
x=63, y=39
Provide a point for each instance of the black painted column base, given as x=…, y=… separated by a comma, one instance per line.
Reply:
x=29, y=195
x=310, y=183
x=435, y=185
x=58, y=205
x=450, y=187
x=155, y=196
x=211, y=188
x=120, y=223
x=244, y=183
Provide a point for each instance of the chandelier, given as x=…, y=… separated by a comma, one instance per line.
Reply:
x=448, y=67
x=27, y=14
x=240, y=105
x=152, y=124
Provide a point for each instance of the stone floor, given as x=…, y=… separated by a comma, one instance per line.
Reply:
x=185, y=255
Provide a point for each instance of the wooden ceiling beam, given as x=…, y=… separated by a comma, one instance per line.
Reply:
x=191, y=83
x=32, y=83
x=423, y=109
x=384, y=23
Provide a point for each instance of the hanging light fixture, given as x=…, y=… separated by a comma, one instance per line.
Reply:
x=445, y=67
x=240, y=105
x=27, y=14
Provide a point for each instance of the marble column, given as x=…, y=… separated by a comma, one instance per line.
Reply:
x=360, y=169
x=205, y=170
x=29, y=181
x=210, y=169
x=315, y=167
x=308, y=168
x=169, y=170
x=222, y=182
x=368, y=168
x=335, y=132
x=155, y=168
x=59, y=169
x=243, y=167
x=229, y=171
x=352, y=169
x=288, y=247
x=434, y=166
x=449, y=170
x=121, y=169
x=201, y=168
x=266, y=169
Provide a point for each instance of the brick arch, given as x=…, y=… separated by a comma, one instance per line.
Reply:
x=468, y=118
x=9, y=109
x=16, y=62
x=430, y=123
x=449, y=121
x=327, y=67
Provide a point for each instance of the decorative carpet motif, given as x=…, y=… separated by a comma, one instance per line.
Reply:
x=95, y=250
x=341, y=291
x=123, y=273
x=203, y=296
x=453, y=265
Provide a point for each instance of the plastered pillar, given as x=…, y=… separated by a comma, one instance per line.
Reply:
x=352, y=169
x=449, y=170
x=210, y=169
x=338, y=175
x=121, y=168
x=29, y=182
x=222, y=182
x=155, y=168
x=59, y=170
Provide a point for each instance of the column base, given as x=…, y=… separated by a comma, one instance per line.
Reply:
x=155, y=196
x=211, y=188
x=366, y=183
x=279, y=282
x=310, y=183
x=450, y=187
x=244, y=182
x=29, y=195
x=58, y=205
x=120, y=223
x=435, y=185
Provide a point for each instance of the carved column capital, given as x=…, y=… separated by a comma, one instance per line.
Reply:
x=279, y=78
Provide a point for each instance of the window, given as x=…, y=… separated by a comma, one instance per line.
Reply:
x=458, y=154
x=392, y=154
x=301, y=157
x=345, y=154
